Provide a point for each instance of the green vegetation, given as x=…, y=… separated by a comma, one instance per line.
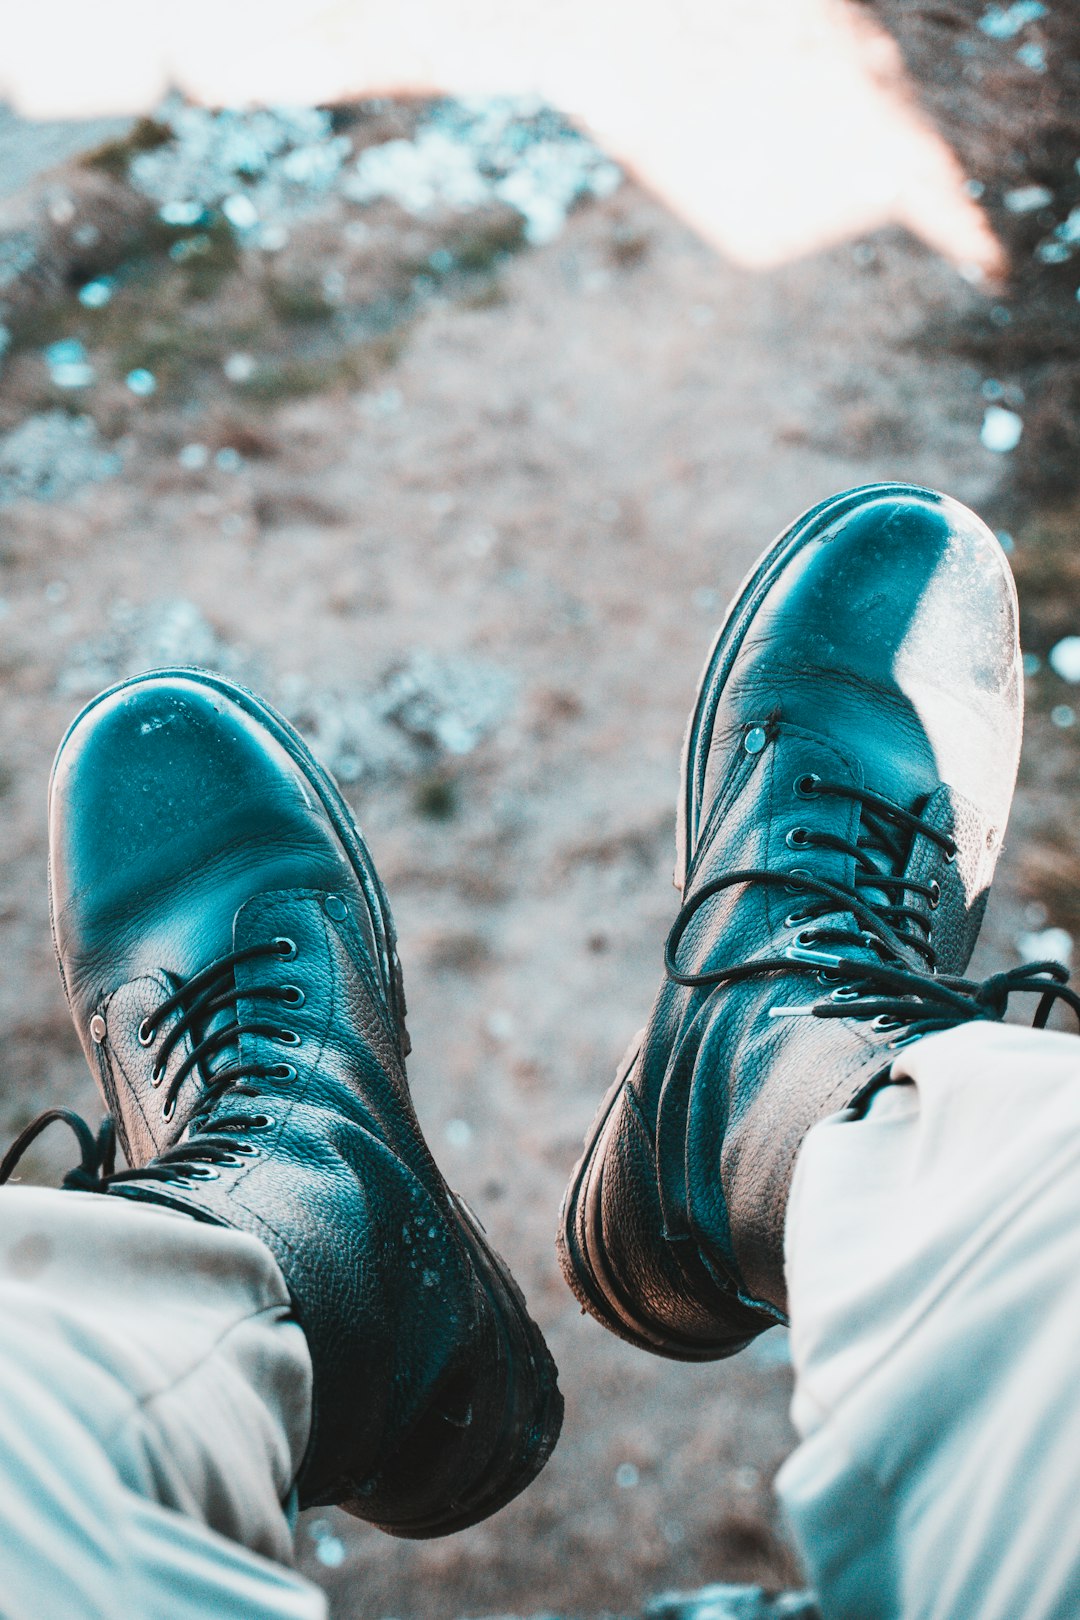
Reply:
x=113, y=157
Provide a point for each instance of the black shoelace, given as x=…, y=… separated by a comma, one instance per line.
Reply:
x=210, y=1141
x=909, y=1000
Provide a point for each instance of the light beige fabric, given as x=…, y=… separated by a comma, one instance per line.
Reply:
x=933, y=1264
x=155, y=1403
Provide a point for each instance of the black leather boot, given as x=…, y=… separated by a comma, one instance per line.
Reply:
x=847, y=776
x=229, y=959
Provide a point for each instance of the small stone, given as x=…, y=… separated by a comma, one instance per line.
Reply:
x=458, y=1133
x=1001, y=429
x=1046, y=945
x=240, y=211
x=499, y=1025
x=1064, y=659
x=1032, y=56
x=1025, y=199
x=182, y=211
x=95, y=294
x=330, y=1551
x=239, y=368
x=1005, y=22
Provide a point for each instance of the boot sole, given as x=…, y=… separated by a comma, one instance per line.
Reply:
x=580, y=1248
x=534, y=1406
x=579, y=1241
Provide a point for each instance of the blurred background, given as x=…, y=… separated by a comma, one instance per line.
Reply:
x=439, y=374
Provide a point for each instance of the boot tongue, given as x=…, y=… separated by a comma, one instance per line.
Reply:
x=203, y=1025
x=228, y=1053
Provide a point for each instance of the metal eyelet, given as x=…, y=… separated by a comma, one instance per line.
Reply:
x=169, y=1109
x=845, y=992
x=950, y=856
x=287, y=1037
x=883, y=1021
x=261, y=1122
x=806, y=786
x=286, y=948
x=247, y=1150
x=797, y=838
x=281, y=1071
x=935, y=894
x=796, y=918
x=146, y=1035
x=157, y=1075
x=803, y=938
x=237, y=1159
x=794, y=886
x=202, y=1172
x=827, y=976
x=292, y=995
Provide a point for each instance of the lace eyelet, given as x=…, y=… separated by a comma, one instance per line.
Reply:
x=287, y=1037
x=247, y=1150
x=794, y=886
x=950, y=856
x=202, y=1172
x=169, y=1109
x=157, y=1075
x=795, y=918
x=883, y=1021
x=292, y=995
x=261, y=1122
x=237, y=1160
x=806, y=786
x=803, y=938
x=845, y=992
x=827, y=976
x=281, y=1071
x=146, y=1034
x=935, y=894
x=286, y=948
x=797, y=838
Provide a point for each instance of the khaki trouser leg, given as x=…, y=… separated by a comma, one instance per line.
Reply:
x=933, y=1263
x=155, y=1403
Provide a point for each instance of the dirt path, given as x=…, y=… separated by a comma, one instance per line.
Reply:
x=558, y=483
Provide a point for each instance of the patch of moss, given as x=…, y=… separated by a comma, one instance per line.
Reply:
x=279, y=379
x=435, y=797
x=301, y=303
x=207, y=257
x=1046, y=563
x=114, y=157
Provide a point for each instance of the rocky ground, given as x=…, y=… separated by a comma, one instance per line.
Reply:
x=465, y=492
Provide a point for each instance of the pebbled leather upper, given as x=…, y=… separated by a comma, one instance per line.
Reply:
x=188, y=822
x=874, y=646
